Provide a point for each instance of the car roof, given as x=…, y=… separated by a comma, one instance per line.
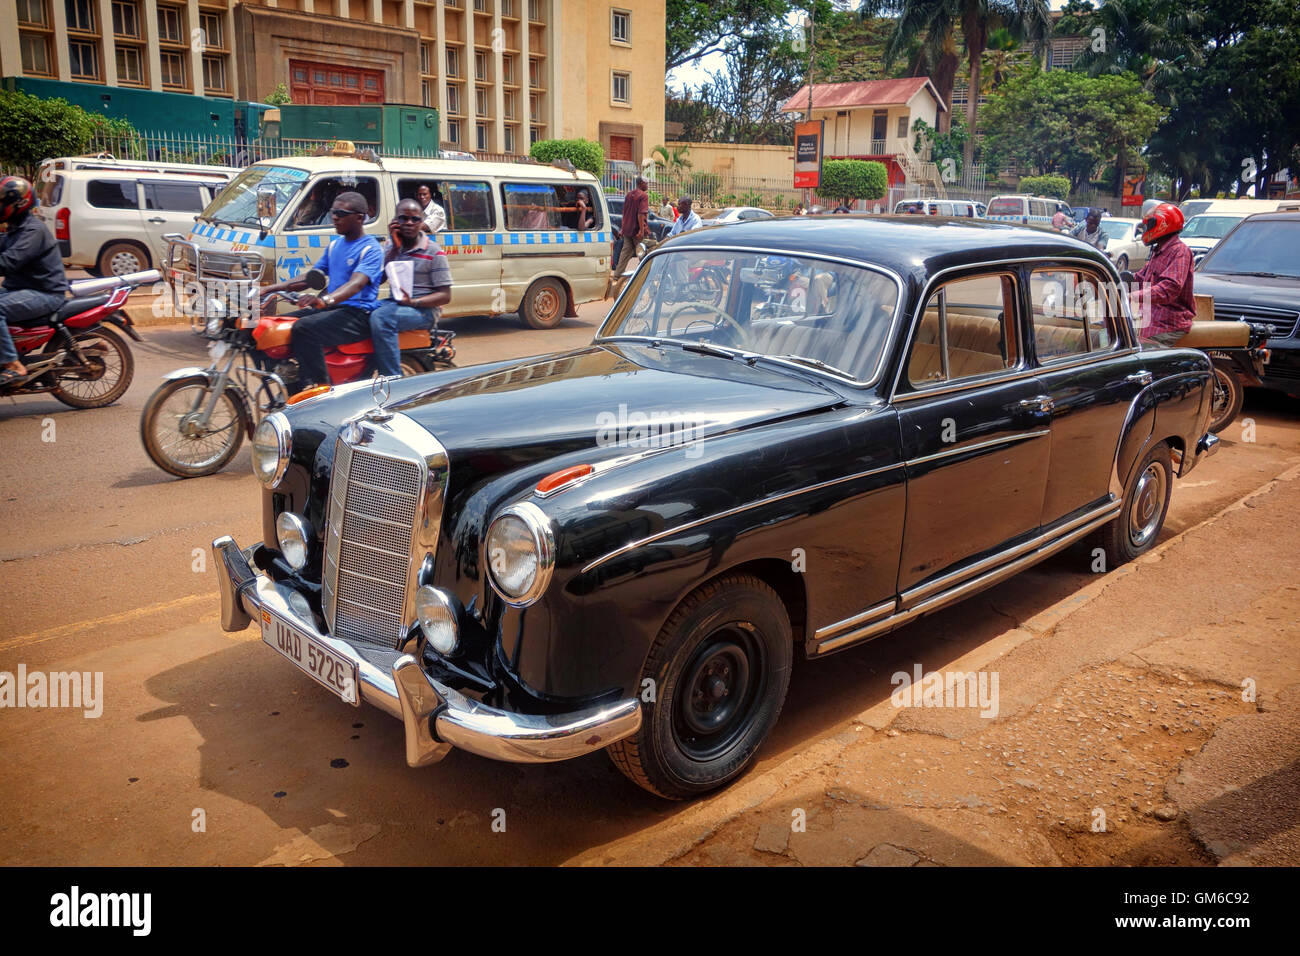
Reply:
x=905, y=244
x=436, y=168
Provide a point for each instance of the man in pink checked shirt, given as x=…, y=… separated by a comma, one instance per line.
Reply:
x=1163, y=286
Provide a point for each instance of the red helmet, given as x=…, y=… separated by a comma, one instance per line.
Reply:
x=16, y=197
x=1165, y=220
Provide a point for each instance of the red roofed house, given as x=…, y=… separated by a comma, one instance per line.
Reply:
x=872, y=119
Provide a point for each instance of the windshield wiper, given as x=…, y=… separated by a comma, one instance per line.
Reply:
x=705, y=348
x=814, y=363
x=1265, y=275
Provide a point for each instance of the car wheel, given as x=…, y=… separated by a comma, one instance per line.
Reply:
x=718, y=674
x=1146, y=502
x=1122, y=262
x=122, y=258
x=1226, y=398
x=543, y=305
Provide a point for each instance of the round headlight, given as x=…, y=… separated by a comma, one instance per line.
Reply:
x=295, y=539
x=271, y=443
x=437, y=618
x=520, y=553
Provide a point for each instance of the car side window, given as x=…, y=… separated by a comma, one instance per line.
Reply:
x=112, y=194
x=314, y=209
x=1038, y=208
x=174, y=197
x=469, y=206
x=1073, y=313
x=964, y=330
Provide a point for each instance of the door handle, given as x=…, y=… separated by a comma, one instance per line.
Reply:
x=1140, y=378
x=1041, y=403
x=158, y=219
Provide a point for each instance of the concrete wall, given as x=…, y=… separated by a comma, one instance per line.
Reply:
x=743, y=161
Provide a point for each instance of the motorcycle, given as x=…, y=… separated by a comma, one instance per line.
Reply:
x=195, y=421
x=74, y=355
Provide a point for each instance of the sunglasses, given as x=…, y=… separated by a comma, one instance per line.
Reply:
x=340, y=213
x=410, y=218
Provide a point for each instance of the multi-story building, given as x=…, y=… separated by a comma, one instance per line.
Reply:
x=502, y=73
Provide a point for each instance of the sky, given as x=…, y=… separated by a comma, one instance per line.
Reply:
x=694, y=74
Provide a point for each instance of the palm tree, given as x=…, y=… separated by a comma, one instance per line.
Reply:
x=1002, y=60
x=924, y=36
x=1151, y=38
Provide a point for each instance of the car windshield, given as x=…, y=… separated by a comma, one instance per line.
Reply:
x=1210, y=227
x=726, y=213
x=1258, y=247
x=237, y=203
x=824, y=315
x=1113, y=229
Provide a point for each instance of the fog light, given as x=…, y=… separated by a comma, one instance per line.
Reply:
x=298, y=603
x=437, y=618
x=294, y=535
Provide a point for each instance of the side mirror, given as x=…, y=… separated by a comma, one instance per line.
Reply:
x=315, y=279
x=265, y=208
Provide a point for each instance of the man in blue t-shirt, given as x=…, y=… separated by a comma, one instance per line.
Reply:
x=354, y=269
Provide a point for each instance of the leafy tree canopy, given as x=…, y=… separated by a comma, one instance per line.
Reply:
x=583, y=153
x=853, y=179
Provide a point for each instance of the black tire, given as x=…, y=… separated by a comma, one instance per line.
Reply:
x=1227, y=395
x=543, y=305
x=412, y=365
x=1135, y=530
x=114, y=369
x=116, y=259
x=720, y=669
x=159, y=434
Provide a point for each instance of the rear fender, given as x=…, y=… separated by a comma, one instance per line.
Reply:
x=99, y=313
x=123, y=322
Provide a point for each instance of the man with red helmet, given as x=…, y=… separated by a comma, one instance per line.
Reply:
x=1164, y=284
x=34, y=283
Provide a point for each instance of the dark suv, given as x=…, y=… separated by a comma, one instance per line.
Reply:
x=1254, y=276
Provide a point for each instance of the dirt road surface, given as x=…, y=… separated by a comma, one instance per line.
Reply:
x=211, y=750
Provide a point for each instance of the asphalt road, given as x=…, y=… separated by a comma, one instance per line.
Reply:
x=211, y=750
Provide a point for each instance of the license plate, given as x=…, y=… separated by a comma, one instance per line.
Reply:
x=320, y=663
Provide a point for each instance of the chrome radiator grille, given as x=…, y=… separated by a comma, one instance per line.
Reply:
x=373, y=503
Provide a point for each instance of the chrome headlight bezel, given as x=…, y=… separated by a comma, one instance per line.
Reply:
x=433, y=608
x=282, y=433
x=538, y=526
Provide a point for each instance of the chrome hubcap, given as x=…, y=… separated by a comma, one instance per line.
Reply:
x=1148, y=504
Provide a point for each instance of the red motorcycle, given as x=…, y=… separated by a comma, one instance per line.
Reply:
x=195, y=421
x=75, y=355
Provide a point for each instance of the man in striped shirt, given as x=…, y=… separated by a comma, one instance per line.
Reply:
x=430, y=286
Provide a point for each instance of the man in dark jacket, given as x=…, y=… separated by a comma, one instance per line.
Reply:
x=34, y=283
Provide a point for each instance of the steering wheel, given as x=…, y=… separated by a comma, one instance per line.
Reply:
x=724, y=319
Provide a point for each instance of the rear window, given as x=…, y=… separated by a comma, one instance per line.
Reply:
x=177, y=197
x=49, y=190
x=1004, y=207
x=112, y=194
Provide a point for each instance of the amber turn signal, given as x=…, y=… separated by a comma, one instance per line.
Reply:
x=307, y=393
x=558, y=479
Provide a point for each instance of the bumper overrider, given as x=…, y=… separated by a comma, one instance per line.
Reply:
x=436, y=717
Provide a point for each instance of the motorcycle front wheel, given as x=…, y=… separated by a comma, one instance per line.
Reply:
x=177, y=441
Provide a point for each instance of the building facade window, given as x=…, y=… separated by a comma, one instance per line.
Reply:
x=35, y=50
x=214, y=73
x=535, y=108
x=510, y=139
x=428, y=93
x=508, y=104
x=481, y=136
x=480, y=66
x=453, y=131
x=620, y=25
x=507, y=69
x=171, y=24
x=620, y=86
x=507, y=8
x=130, y=66
x=534, y=71
x=535, y=11
x=453, y=99
x=902, y=126
x=426, y=57
x=83, y=60
x=126, y=18
x=32, y=13
x=210, y=31
x=453, y=61
x=172, y=66
x=534, y=134
x=480, y=102
x=480, y=6
x=81, y=15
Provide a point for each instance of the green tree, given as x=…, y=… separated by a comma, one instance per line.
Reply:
x=1003, y=59
x=924, y=35
x=853, y=179
x=694, y=29
x=35, y=129
x=279, y=96
x=1067, y=122
x=942, y=146
x=1057, y=187
x=673, y=161
x=583, y=153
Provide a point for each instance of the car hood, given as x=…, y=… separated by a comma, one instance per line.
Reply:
x=602, y=401
x=1248, y=290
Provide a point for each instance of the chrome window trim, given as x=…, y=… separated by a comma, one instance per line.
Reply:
x=727, y=513
x=539, y=524
x=891, y=332
x=1090, y=354
x=998, y=377
x=1021, y=359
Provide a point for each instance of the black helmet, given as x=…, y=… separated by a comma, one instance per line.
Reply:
x=16, y=197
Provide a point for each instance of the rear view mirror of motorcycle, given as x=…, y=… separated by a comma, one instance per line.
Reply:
x=315, y=279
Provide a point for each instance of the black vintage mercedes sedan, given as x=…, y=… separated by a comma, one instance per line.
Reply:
x=789, y=436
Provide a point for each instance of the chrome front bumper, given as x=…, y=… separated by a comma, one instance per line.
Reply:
x=436, y=717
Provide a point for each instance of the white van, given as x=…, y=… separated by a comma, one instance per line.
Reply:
x=937, y=207
x=1026, y=210
x=109, y=216
x=512, y=234
x=1242, y=207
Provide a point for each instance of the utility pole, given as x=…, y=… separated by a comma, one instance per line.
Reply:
x=812, y=50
